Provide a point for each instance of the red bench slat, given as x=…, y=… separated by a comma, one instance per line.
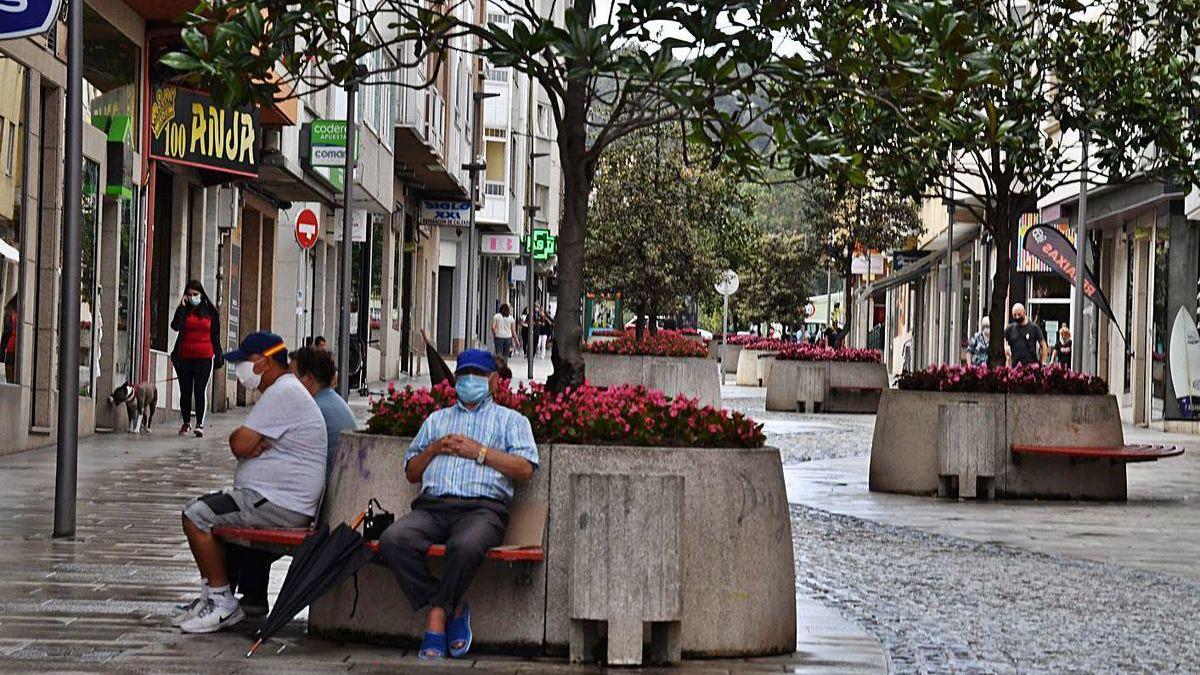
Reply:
x=291, y=538
x=1124, y=453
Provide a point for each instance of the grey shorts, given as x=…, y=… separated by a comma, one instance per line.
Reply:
x=241, y=507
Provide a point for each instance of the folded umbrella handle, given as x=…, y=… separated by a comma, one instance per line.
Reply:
x=358, y=519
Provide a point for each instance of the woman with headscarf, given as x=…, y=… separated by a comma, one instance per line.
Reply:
x=196, y=349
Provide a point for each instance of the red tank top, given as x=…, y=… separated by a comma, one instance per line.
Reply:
x=195, y=342
x=11, y=320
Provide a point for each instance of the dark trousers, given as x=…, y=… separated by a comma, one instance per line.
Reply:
x=193, y=381
x=468, y=528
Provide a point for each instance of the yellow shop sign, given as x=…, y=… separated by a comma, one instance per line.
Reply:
x=187, y=127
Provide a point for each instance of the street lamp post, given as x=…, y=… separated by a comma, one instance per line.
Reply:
x=343, y=387
x=67, y=458
x=475, y=166
x=1077, y=354
x=530, y=274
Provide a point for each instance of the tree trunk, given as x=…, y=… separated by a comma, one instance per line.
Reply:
x=1001, y=231
x=847, y=296
x=578, y=173
x=640, y=324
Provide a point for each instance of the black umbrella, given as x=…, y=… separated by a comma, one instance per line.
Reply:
x=322, y=561
x=438, y=370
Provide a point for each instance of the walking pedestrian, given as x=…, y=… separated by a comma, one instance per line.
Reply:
x=196, y=349
x=977, y=347
x=544, y=326
x=1062, y=350
x=1025, y=343
x=8, y=339
x=504, y=331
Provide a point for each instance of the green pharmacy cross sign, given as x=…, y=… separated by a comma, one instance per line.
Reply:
x=543, y=244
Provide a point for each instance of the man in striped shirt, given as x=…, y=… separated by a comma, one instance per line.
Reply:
x=466, y=458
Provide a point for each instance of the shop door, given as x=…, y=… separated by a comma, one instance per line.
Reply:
x=445, y=308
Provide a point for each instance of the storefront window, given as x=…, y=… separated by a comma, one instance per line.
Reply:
x=13, y=107
x=397, y=279
x=111, y=69
x=1049, y=303
x=1162, y=249
x=128, y=285
x=89, y=306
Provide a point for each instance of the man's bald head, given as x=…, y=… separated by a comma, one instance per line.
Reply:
x=1018, y=312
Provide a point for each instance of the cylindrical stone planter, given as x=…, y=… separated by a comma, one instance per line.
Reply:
x=737, y=572
x=696, y=378
x=751, y=368
x=732, y=354
x=908, y=431
x=846, y=386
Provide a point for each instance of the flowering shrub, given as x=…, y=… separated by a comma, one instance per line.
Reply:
x=624, y=415
x=766, y=344
x=1024, y=379
x=737, y=339
x=608, y=332
x=799, y=351
x=662, y=343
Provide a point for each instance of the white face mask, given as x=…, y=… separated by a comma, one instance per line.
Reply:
x=244, y=371
x=193, y=300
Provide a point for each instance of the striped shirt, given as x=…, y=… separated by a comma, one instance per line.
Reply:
x=489, y=423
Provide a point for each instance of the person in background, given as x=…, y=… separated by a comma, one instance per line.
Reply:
x=319, y=342
x=977, y=347
x=1062, y=350
x=196, y=351
x=280, y=450
x=1024, y=341
x=544, y=328
x=8, y=339
x=504, y=331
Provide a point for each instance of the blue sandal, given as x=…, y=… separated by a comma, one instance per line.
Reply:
x=433, y=647
x=459, y=631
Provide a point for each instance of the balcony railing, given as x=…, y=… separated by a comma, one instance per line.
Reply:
x=493, y=188
x=496, y=74
x=435, y=120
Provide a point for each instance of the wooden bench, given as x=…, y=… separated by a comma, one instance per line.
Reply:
x=857, y=390
x=1124, y=453
x=284, y=541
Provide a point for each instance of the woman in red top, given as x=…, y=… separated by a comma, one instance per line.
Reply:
x=196, y=348
x=8, y=340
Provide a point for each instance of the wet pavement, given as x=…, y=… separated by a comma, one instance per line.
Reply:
x=100, y=600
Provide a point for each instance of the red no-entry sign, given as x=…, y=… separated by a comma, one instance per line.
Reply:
x=306, y=229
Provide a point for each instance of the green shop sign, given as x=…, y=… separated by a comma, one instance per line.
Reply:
x=327, y=143
x=543, y=244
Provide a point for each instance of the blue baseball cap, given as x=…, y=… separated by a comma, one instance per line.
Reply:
x=475, y=361
x=262, y=342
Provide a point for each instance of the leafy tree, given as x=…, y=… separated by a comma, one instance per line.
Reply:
x=661, y=229
x=1040, y=78
x=777, y=285
x=843, y=223
x=696, y=62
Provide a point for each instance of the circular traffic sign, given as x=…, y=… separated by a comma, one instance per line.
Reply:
x=728, y=283
x=306, y=229
x=809, y=310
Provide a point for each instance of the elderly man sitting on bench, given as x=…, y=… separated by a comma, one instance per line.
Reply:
x=466, y=457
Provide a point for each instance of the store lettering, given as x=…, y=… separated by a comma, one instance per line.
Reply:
x=1067, y=267
x=214, y=134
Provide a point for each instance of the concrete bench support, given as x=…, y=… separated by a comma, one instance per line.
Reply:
x=626, y=566
x=966, y=450
x=812, y=385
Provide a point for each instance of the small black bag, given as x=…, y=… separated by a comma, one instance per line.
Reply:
x=375, y=523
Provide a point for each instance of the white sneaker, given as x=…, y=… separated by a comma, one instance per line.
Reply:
x=187, y=611
x=213, y=618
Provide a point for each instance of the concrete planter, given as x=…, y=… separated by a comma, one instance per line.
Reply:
x=692, y=377
x=737, y=573
x=752, y=370
x=731, y=360
x=831, y=385
x=909, y=431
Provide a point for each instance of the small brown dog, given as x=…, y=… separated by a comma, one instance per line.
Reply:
x=140, y=401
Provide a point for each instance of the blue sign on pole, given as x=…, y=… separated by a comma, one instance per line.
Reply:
x=19, y=18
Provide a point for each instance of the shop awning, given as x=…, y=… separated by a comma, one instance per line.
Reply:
x=963, y=233
x=9, y=252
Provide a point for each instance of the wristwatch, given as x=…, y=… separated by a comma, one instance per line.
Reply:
x=482, y=456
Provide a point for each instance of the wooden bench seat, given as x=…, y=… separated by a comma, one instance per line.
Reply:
x=857, y=390
x=284, y=540
x=1124, y=453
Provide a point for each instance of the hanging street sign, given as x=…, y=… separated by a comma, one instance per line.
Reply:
x=307, y=229
x=327, y=143
x=445, y=213
x=500, y=244
x=19, y=18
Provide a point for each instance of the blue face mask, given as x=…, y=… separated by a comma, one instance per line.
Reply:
x=472, y=389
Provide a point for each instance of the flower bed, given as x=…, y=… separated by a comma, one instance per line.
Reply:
x=662, y=343
x=1024, y=379
x=625, y=415
x=738, y=340
x=766, y=344
x=799, y=351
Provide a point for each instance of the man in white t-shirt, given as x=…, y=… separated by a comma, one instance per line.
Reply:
x=280, y=475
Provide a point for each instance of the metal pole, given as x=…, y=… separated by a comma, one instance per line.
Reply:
x=343, y=387
x=828, y=298
x=950, y=272
x=530, y=278
x=469, y=333
x=1080, y=262
x=68, y=312
x=724, y=332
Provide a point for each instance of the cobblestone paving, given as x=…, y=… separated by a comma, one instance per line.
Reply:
x=946, y=605
x=803, y=437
